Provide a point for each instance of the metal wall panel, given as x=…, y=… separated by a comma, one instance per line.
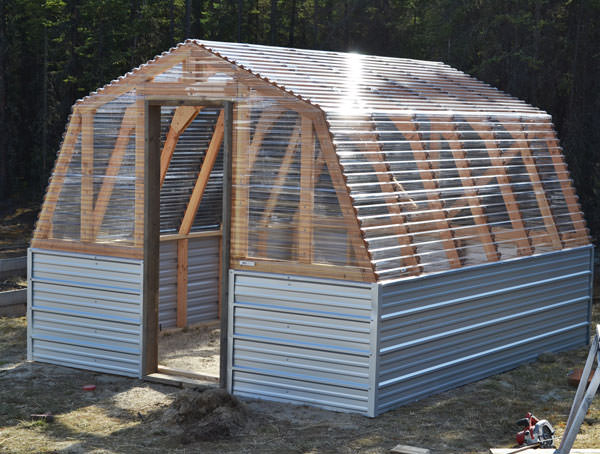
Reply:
x=85, y=311
x=167, y=289
x=203, y=279
x=301, y=340
x=448, y=329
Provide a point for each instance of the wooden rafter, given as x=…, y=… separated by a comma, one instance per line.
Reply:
x=87, y=175
x=568, y=191
x=538, y=188
x=470, y=192
x=113, y=167
x=433, y=193
x=58, y=176
x=182, y=118
x=205, y=170
x=337, y=177
x=307, y=192
x=284, y=169
x=389, y=187
x=486, y=133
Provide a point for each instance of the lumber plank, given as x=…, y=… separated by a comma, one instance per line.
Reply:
x=307, y=192
x=113, y=167
x=486, y=133
x=182, y=118
x=479, y=216
x=422, y=159
x=87, y=176
x=538, y=188
x=240, y=182
x=207, y=165
x=89, y=248
x=191, y=235
x=182, y=282
x=389, y=186
x=349, y=214
x=140, y=178
x=59, y=173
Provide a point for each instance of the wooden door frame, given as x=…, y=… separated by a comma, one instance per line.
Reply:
x=151, y=269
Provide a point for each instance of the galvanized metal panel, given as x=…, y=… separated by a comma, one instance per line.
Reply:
x=203, y=279
x=167, y=287
x=301, y=340
x=85, y=311
x=452, y=328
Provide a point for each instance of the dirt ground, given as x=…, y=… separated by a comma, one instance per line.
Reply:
x=131, y=416
x=194, y=349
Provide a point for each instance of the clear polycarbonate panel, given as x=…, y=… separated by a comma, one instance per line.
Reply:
x=397, y=166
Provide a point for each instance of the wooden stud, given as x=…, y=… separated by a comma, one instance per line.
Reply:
x=538, y=188
x=140, y=176
x=61, y=169
x=205, y=170
x=307, y=192
x=240, y=182
x=113, y=167
x=86, y=221
x=182, y=282
x=470, y=193
x=182, y=118
x=337, y=178
x=486, y=133
x=433, y=195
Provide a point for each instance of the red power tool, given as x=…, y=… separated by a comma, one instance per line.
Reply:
x=535, y=432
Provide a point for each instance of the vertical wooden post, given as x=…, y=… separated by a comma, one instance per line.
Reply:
x=182, y=282
x=307, y=195
x=151, y=237
x=87, y=176
x=241, y=181
x=140, y=177
x=225, y=236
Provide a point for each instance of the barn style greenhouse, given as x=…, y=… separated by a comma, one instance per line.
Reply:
x=369, y=230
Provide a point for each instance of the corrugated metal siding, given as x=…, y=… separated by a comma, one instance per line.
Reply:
x=445, y=330
x=167, y=290
x=203, y=279
x=301, y=340
x=85, y=311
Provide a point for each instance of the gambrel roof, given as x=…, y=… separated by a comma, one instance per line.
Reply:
x=442, y=170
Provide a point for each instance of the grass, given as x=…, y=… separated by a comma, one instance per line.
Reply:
x=122, y=415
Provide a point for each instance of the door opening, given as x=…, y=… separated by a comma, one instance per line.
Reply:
x=193, y=215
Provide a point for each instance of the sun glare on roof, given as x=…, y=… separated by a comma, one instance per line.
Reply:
x=352, y=103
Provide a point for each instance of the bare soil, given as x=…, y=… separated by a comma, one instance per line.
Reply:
x=192, y=349
x=126, y=415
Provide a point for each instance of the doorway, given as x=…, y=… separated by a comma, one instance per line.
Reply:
x=186, y=321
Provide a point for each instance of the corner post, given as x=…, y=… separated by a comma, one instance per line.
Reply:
x=225, y=238
x=151, y=238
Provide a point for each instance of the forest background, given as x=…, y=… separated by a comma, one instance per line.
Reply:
x=53, y=52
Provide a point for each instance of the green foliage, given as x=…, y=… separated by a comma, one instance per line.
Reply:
x=55, y=51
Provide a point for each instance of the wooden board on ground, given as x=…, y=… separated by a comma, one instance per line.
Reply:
x=181, y=382
x=405, y=449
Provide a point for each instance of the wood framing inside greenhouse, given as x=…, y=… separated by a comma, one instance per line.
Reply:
x=301, y=163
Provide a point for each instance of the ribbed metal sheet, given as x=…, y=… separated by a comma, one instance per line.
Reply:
x=167, y=288
x=203, y=281
x=301, y=340
x=85, y=311
x=445, y=330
